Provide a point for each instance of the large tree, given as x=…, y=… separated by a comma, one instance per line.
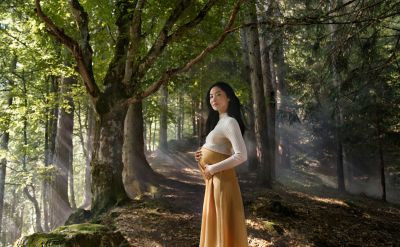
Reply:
x=137, y=50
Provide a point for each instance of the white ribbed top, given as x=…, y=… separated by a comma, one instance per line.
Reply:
x=226, y=138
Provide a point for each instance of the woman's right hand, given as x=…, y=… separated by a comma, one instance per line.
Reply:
x=197, y=155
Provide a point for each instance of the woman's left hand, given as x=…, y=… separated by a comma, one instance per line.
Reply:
x=207, y=172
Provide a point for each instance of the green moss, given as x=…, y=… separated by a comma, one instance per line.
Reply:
x=272, y=227
x=85, y=228
x=78, y=235
x=42, y=239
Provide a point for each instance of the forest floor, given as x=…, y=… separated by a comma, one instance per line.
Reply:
x=298, y=211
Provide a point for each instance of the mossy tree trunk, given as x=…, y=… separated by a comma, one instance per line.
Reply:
x=107, y=187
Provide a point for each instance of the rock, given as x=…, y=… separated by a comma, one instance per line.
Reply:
x=78, y=235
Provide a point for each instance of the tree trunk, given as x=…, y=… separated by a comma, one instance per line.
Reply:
x=32, y=198
x=107, y=186
x=283, y=148
x=13, y=218
x=60, y=205
x=87, y=201
x=338, y=114
x=382, y=167
x=4, y=148
x=163, y=144
x=181, y=117
x=45, y=182
x=265, y=174
x=269, y=90
x=154, y=135
x=50, y=143
x=71, y=183
x=3, y=164
x=138, y=177
x=194, y=116
x=249, y=134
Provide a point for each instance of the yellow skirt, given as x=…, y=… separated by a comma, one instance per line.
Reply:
x=223, y=222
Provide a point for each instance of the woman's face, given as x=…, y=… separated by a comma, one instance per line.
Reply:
x=218, y=100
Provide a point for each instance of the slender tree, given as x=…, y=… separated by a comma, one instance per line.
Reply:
x=257, y=88
x=338, y=111
x=163, y=145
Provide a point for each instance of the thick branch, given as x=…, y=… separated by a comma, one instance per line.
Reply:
x=200, y=16
x=76, y=50
x=135, y=39
x=116, y=70
x=162, y=39
x=172, y=72
x=82, y=20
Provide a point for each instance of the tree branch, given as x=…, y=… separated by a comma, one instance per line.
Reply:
x=162, y=40
x=134, y=45
x=116, y=69
x=74, y=47
x=173, y=72
x=200, y=16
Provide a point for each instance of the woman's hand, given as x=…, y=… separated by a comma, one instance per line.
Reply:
x=207, y=172
x=197, y=155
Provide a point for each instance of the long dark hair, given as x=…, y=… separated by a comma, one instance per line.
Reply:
x=234, y=107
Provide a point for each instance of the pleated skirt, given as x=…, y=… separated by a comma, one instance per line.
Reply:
x=223, y=222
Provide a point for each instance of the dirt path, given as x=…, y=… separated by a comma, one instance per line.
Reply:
x=288, y=215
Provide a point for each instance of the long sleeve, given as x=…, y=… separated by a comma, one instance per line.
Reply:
x=232, y=132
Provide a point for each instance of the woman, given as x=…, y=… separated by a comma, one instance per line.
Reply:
x=223, y=222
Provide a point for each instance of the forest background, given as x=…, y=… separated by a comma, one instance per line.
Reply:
x=90, y=90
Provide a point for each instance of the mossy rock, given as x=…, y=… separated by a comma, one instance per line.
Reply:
x=78, y=235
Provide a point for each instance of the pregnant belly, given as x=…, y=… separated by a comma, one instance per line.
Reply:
x=211, y=157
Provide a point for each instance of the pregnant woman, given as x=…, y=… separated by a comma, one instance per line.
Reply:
x=223, y=221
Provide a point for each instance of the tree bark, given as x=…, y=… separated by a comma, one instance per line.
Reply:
x=87, y=201
x=163, y=144
x=265, y=174
x=269, y=88
x=249, y=134
x=107, y=186
x=138, y=177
